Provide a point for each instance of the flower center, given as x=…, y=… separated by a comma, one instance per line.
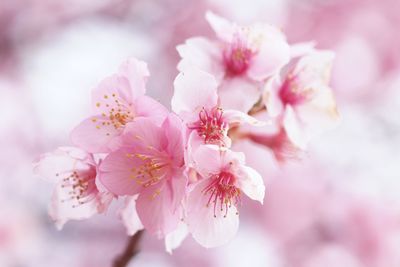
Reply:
x=81, y=187
x=211, y=126
x=292, y=92
x=150, y=170
x=237, y=57
x=223, y=192
x=116, y=112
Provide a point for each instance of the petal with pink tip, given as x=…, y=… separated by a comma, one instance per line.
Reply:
x=194, y=89
x=209, y=230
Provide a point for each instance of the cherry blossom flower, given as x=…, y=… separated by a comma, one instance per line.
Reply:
x=212, y=213
x=241, y=59
x=301, y=98
x=76, y=195
x=196, y=101
x=117, y=101
x=150, y=164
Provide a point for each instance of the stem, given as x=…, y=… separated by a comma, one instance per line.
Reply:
x=130, y=251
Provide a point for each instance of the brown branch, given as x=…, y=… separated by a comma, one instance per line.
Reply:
x=130, y=251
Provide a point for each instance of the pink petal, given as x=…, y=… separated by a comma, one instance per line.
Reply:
x=273, y=54
x=96, y=135
x=130, y=217
x=144, y=132
x=116, y=173
x=61, y=210
x=207, y=230
x=137, y=73
x=251, y=183
x=174, y=133
x=194, y=89
x=271, y=97
x=237, y=117
x=109, y=91
x=239, y=93
x=207, y=160
x=221, y=26
x=154, y=207
x=202, y=54
x=148, y=107
x=62, y=162
x=174, y=239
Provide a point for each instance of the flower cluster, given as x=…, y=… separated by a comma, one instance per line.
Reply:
x=176, y=169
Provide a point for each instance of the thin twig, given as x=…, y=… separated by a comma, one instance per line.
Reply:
x=130, y=251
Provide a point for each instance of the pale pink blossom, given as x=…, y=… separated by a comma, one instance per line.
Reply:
x=150, y=164
x=76, y=195
x=241, y=59
x=196, y=101
x=117, y=101
x=212, y=205
x=301, y=98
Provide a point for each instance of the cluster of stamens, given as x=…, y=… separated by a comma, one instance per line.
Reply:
x=223, y=193
x=152, y=167
x=81, y=187
x=118, y=112
x=211, y=126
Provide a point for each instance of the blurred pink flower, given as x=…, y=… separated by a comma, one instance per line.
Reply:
x=300, y=96
x=76, y=195
x=150, y=163
x=241, y=59
x=116, y=102
x=212, y=214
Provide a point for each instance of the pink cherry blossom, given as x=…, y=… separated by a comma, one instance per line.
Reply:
x=301, y=98
x=196, y=101
x=76, y=195
x=129, y=216
x=212, y=213
x=241, y=59
x=117, y=101
x=150, y=164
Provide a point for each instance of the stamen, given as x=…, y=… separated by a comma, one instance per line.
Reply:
x=222, y=190
x=81, y=187
x=211, y=126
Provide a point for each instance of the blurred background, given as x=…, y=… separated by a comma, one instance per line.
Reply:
x=338, y=207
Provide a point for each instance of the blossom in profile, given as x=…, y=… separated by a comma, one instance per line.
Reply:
x=301, y=98
x=150, y=164
x=213, y=202
x=241, y=59
x=76, y=195
x=116, y=102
